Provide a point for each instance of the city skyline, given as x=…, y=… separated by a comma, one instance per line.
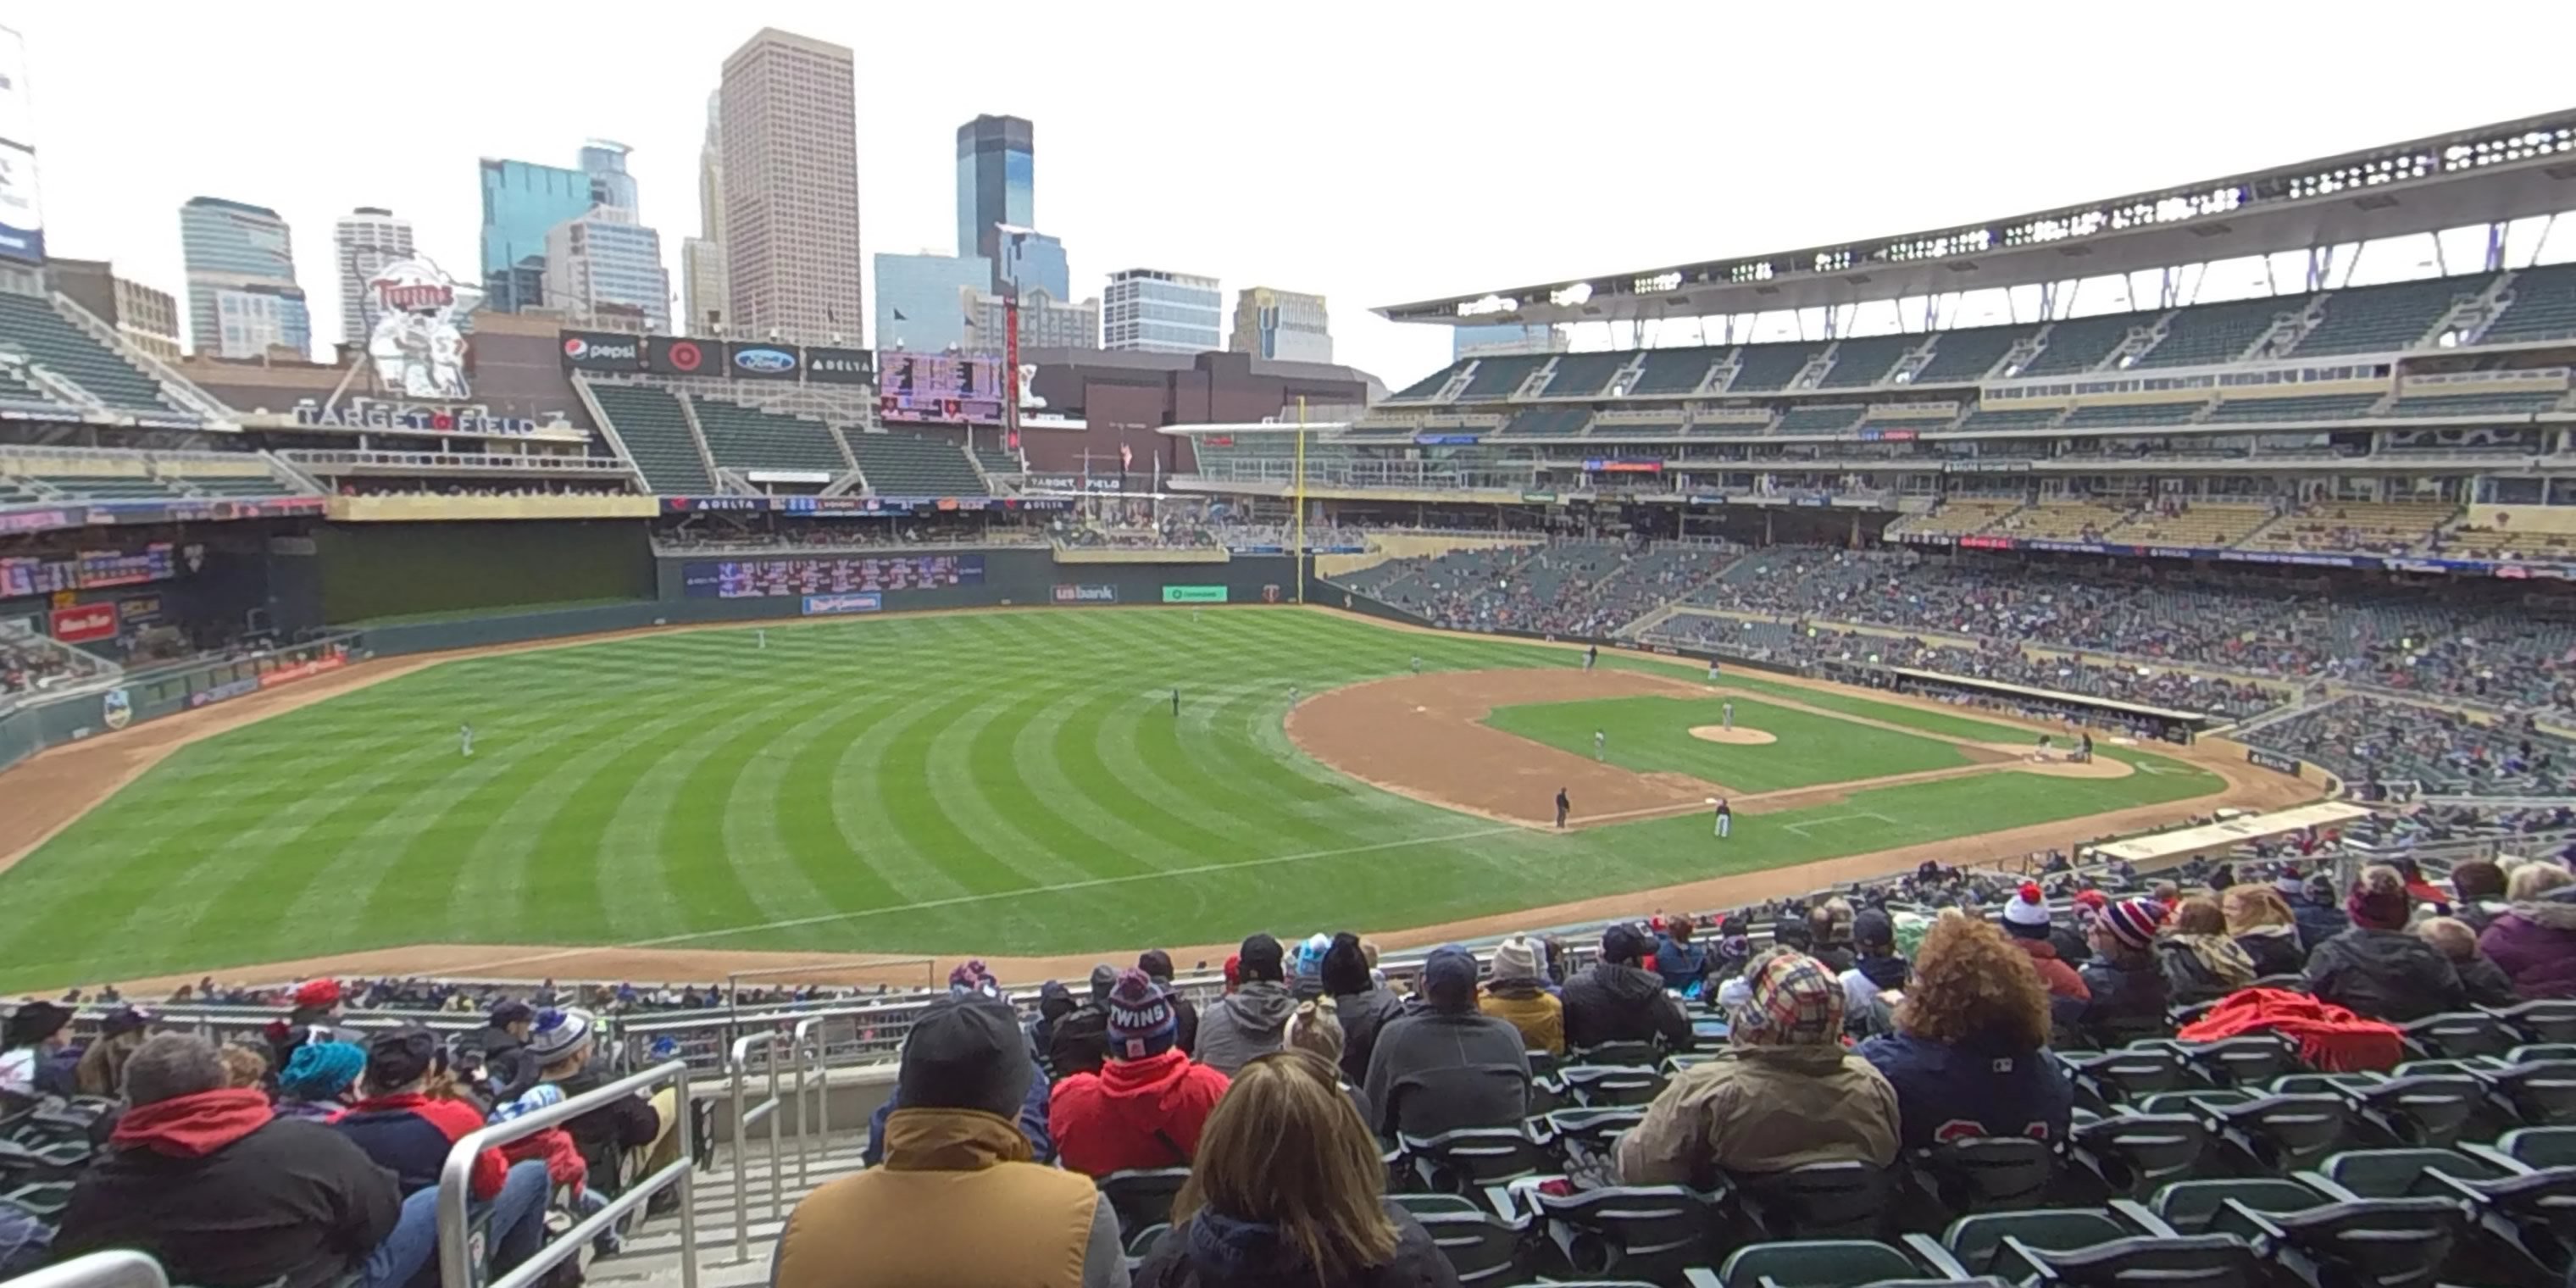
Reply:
x=1373, y=191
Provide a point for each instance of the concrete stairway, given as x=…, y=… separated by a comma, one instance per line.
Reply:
x=651, y=1256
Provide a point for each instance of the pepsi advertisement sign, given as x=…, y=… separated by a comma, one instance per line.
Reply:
x=602, y=351
x=762, y=361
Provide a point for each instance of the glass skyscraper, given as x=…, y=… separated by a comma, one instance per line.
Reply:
x=1036, y=262
x=522, y=202
x=605, y=270
x=242, y=296
x=610, y=185
x=1153, y=311
x=996, y=182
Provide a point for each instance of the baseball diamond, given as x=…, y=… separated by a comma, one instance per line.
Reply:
x=1003, y=782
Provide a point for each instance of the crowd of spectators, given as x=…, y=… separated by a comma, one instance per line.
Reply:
x=457, y=487
x=2376, y=745
x=1561, y=587
x=835, y=534
x=32, y=666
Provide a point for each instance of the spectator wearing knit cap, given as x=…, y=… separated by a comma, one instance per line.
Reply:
x=2026, y=922
x=1158, y=964
x=2377, y=969
x=960, y=1199
x=1783, y=1095
x=2318, y=919
x=31, y=1051
x=1616, y=1000
x=1446, y=1065
x=315, y=1015
x=1876, y=981
x=507, y=1072
x=1306, y=976
x=2128, y=988
x=1361, y=1004
x=320, y=1081
x=1516, y=996
x=1247, y=1022
x=1146, y=1105
x=1079, y=1042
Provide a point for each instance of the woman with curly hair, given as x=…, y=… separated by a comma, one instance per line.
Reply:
x=1968, y=1056
x=2259, y=920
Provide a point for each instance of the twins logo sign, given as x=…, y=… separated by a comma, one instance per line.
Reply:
x=118, y=709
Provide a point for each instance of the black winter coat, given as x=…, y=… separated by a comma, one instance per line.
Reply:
x=1079, y=1042
x=2124, y=997
x=2274, y=954
x=622, y=1124
x=2385, y=975
x=1211, y=1251
x=292, y=1201
x=1610, y=1003
x=1439, y=1071
x=1363, y=1015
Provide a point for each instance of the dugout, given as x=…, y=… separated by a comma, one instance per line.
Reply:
x=2159, y=723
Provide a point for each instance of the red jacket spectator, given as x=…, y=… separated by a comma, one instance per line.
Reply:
x=1146, y=1105
x=408, y=1132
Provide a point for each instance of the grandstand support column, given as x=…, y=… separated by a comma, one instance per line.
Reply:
x=1298, y=553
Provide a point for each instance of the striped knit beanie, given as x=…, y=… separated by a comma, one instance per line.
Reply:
x=2133, y=922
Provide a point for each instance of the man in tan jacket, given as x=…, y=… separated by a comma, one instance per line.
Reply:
x=1785, y=1094
x=957, y=1203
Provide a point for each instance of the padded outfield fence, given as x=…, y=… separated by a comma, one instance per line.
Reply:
x=150, y=693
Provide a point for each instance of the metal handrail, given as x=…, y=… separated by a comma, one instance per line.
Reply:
x=119, y=1269
x=736, y=1065
x=455, y=1251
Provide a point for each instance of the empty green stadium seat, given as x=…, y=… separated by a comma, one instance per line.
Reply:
x=746, y=438
x=1500, y=377
x=2190, y=1206
x=2081, y=344
x=1819, y=420
x=656, y=434
x=1427, y=386
x=1815, y=1263
x=50, y=340
x=2393, y=1173
x=1969, y=354
x=1581, y=375
x=911, y=465
x=1674, y=371
x=2306, y=407
x=2385, y=319
x=1481, y=1246
x=1549, y=422
x=2120, y=414
x=2205, y=334
x=2512, y=404
x=1772, y=366
x=2543, y=307
x=1866, y=361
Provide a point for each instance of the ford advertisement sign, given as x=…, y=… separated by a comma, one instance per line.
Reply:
x=762, y=361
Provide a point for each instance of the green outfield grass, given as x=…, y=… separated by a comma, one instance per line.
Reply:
x=1653, y=735
x=985, y=782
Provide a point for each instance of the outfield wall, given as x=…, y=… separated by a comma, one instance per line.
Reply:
x=151, y=693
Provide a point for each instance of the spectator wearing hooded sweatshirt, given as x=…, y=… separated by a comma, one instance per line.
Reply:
x=319, y=1083
x=2376, y=969
x=2260, y=922
x=1516, y=996
x=206, y=1181
x=2201, y=962
x=1247, y=1021
x=1783, y=1095
x=1080, y=1041
x=1877, y=978
x=1967, y=1055
x=1146, y=1105
x=1158, y=964
x=2127, y=987
x=409, y=1131
x=2027, y=923
x=2484, y=984
x=960, y=1199
x=1446, y=1066
x=1361, y=1004
x=1055, y=1002
x=2534, y=942
x=1682, y=963
x=1618, y=1001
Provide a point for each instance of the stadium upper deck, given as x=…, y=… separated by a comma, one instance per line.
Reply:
x=2485, y=175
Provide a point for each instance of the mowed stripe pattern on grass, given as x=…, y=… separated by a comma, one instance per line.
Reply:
x=986, y=782
x=1653, y=735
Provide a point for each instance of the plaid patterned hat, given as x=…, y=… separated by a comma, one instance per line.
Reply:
x=2133, y=921
x=1795, y=1001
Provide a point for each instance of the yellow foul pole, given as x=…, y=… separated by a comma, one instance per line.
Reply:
x=1300, y=551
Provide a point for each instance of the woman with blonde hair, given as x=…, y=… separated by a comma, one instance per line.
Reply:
x=2200, y=962
x=2261, y=923
x=1288, y=1189
x=2534, y=942
x=1966, y=1056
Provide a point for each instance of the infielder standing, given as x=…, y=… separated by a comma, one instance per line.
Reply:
x=1727, y=714
x=1591, y=654
x=1563, y=806
x=1600, y=741
x=1725, y=819
x=1712, y=670
x=1417, y=664
x=465, y=740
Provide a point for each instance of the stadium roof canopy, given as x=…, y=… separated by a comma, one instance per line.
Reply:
x=2492, y=173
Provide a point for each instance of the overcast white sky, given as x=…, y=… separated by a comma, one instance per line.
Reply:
x=1375, y=152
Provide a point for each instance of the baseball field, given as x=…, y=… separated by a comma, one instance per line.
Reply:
x=1012, y=783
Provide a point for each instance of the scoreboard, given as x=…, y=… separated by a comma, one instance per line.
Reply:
x=951, y=388
x=88, y=570
x=757, y=578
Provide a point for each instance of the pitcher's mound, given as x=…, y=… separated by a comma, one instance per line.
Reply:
x=1738, y=736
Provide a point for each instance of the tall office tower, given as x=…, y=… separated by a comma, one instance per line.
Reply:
x=789, y=118
x=364, y=241
x=243, y=300
x=702, y=259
